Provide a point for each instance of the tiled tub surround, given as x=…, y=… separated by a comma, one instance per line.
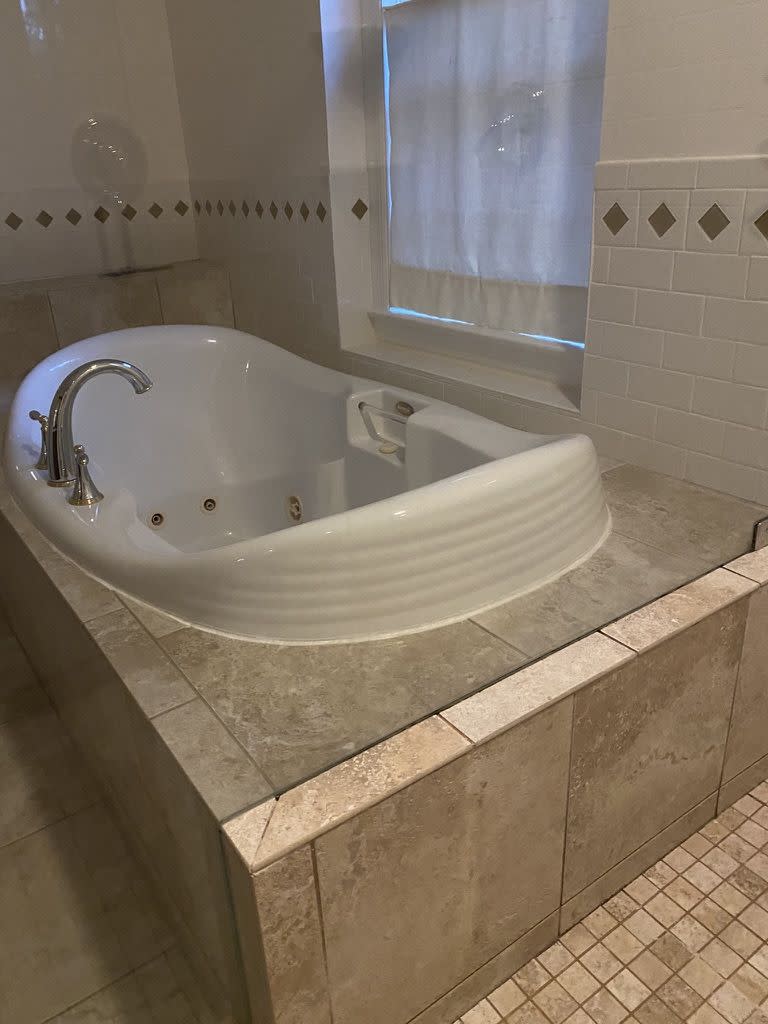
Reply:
x=676, y=369
x=188, y=731
x=410, y=881
x=687, y=940
x=38, y=317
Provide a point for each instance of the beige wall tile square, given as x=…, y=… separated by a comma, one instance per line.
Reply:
x=612, y=303
x=751, y=365
x=195, y=293
x=642, y=268
x=27, y=334
x=625, y=873
x=627, y=414
x=608, y=375
x=611, y=174
x=428, y=885
x=499, y=968
x=736, y=403
x=648, y=744
x=708, y=357
x=757, y=285
x=739, y=320
x=626, y=342
x=291, y=934
x=670, y=311
x=660, y=387
x=690, y=431
x=711, y=274
x=748, y=736
x=82, y=312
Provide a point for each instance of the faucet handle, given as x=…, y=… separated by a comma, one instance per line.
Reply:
x=42, y=462
x=85, y=491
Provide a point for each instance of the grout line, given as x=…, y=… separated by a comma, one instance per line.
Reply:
x=567, y=815
x=455, y=728
x=733, y=697
x=321, y=917
x=115, y=981
x=715, y=793
x=50, y=824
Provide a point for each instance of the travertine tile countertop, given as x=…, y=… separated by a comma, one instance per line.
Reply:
x=248, y=720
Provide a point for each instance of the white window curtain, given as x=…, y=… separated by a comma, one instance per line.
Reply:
x=494, y=110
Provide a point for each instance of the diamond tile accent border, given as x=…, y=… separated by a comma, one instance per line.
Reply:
x=714, y=222
x=615, y=219
x=101, y=214
x=762, y=225
x=662, y=220
x=687, y=941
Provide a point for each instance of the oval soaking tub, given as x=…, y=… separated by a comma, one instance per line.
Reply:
x=256, y=494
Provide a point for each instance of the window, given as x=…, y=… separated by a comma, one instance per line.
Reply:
x=491, y=112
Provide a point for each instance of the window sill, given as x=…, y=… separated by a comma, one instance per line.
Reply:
x=543, y=373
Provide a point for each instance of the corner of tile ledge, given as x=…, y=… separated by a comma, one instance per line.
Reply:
x=534, y=688
x=338, y=794
x=246, y=830
x=753, y=566
x=669, y=615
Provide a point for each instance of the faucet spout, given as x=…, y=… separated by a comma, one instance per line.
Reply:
x=61, y=459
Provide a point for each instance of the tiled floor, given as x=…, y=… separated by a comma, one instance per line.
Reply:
x=80, y=938
x=686, y=941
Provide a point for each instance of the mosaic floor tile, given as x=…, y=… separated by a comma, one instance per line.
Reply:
x=687, y=941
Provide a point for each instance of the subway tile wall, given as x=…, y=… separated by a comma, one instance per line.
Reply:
x=276, y=240
x=676, y=368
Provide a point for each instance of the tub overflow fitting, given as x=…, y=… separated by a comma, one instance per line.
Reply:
x=157, y=520
x=209, y=505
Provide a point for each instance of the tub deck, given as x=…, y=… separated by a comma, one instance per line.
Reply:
x=284, y=714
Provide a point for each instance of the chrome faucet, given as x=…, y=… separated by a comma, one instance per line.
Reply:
x=61, y=455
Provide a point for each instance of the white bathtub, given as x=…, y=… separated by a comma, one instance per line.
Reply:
x=465, y=515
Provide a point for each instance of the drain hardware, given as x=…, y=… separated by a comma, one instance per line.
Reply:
x=209, y=505
x=295, y=510
x=157, y=519
x=405, y=408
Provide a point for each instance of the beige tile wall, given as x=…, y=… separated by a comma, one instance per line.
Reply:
x=270, y=152
x=548, y=792
x=38, y=317
x=117, y=706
